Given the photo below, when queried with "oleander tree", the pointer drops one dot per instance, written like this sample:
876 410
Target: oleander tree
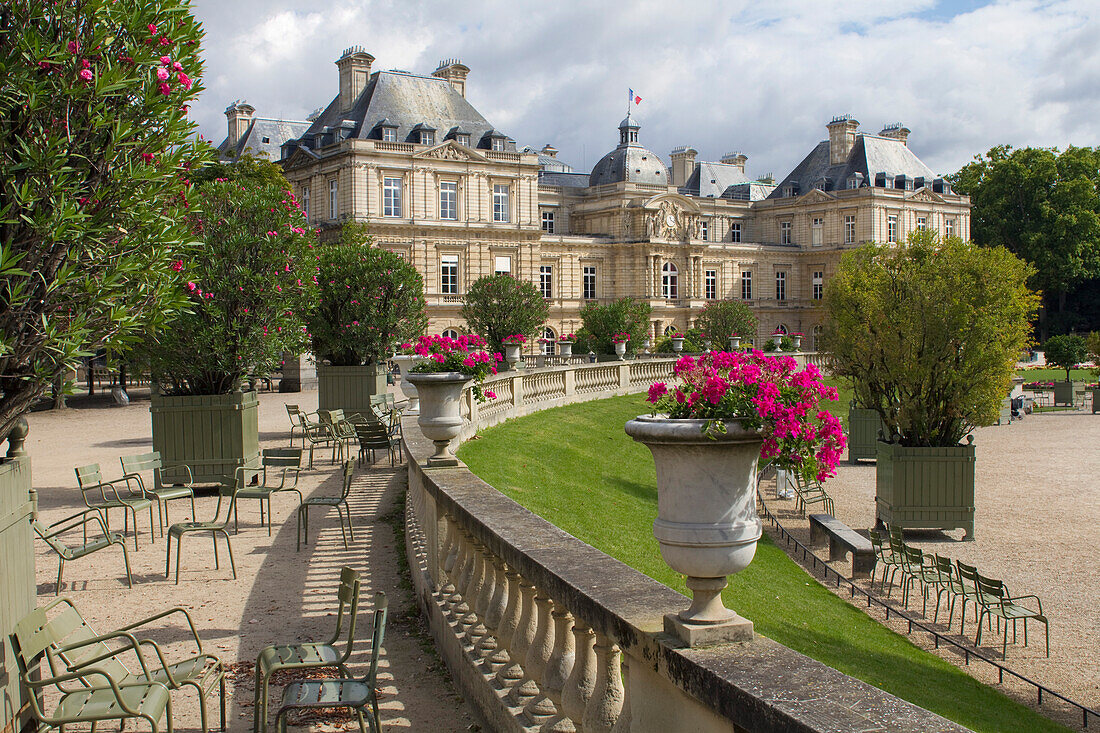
249 288
721 318
929 331
500 305
94 167
368 300
1066 351
602 321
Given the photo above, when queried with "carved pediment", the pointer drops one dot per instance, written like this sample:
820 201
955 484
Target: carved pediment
667 218
300 158
816 196
925 195
450 150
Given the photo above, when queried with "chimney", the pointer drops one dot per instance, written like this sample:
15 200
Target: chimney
896 131
454 71
239 114
842 136
683 164
736 158
354 67
549 151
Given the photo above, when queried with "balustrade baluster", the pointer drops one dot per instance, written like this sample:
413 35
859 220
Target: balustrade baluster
607 692
559 668
474 629
541 708
582 679
493 614
521 640
448 554
459 607
623 724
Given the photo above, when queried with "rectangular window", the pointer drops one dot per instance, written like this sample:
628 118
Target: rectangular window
448 274
784 232
948 226
391 197
850 229
588 282
922 223
546 280
500 203
462 139
892 228
548 222
305 202
502 265
704 231
427 138
817 232
746 285
389 134
497 143
710 284
735 231
448 200
819 285
332 210
780 285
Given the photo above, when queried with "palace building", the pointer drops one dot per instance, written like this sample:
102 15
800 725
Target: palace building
442 187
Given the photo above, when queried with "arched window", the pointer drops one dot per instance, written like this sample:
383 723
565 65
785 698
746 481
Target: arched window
816 334
549 342
782 328
669 281
450 333
670 329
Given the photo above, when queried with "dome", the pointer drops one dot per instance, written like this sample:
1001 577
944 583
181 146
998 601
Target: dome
630 161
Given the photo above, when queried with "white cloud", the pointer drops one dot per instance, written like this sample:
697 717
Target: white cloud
761 78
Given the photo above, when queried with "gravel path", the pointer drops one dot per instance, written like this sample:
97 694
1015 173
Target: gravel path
280 595
1037 495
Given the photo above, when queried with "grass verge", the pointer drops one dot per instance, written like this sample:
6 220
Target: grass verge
575 467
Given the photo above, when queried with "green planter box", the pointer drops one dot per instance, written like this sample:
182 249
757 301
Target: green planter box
925 488
1063 394
864 426
213 434
17 583
1095 400
349 388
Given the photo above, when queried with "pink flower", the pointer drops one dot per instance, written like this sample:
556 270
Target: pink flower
162 73
184 80
177 265
86 75
165 89
152 29
657 390
166 60
177 66
73 46
191 286
490 394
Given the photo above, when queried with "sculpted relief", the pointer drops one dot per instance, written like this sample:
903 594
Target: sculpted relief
669 221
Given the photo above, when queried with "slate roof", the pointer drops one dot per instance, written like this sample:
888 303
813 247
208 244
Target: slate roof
869 156
712 180
629 163
408 102
276 132
567 180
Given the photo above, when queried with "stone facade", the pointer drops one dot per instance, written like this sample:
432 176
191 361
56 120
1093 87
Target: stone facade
440 186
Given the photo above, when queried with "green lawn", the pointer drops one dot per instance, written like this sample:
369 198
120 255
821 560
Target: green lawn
575 467
1056 375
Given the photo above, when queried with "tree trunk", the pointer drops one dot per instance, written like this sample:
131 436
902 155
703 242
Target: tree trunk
58 390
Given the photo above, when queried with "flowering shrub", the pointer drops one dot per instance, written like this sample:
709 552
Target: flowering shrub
248 287
93 181
764 393
369 299
620 338
466 354
567 338
515 339
603 320
1038 385
498 305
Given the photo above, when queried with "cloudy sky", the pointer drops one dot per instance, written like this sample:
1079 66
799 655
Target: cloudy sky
760 77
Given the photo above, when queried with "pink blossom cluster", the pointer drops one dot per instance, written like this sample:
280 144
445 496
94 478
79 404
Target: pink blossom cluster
570 337
766 393
621 338
466 354
516 339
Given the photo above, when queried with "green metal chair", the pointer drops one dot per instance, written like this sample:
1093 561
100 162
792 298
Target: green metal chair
286 462
914 569
947 582
342 426
90 480
309 655
998 602
885 558
298 421
373 436
340 502
218 525
807 493
51 536
163 490
319 435
78 647
354 693
96 696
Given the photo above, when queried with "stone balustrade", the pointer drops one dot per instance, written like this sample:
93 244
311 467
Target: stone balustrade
544 632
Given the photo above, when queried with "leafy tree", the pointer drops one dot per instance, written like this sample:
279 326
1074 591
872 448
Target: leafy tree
721 318
369 299
601 322
693 342
929 332
1066 351
93 181
501 305
249 287
1045 207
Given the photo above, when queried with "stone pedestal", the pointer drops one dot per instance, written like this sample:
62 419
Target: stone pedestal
299 372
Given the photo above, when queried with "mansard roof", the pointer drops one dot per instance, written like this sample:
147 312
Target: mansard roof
264 138
408 102
712 180
869 156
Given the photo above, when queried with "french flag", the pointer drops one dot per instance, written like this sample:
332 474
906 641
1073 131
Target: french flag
634 98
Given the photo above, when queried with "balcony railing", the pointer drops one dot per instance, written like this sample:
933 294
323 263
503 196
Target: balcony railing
543 632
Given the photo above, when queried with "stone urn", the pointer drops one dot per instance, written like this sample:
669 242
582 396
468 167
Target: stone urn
777 339
735 343
405 362
511 355
440 418
677 344
565 348
707 524
646 343
706 345
620 349
797 339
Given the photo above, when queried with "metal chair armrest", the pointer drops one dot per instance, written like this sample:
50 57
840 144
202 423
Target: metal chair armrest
132 645
1014 599
163 614
181 467
82 518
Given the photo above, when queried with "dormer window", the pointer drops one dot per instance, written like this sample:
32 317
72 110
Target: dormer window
855 180
427 137
389 134
497 143
462 139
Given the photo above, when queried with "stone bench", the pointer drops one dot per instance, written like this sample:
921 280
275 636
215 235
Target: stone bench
842 540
